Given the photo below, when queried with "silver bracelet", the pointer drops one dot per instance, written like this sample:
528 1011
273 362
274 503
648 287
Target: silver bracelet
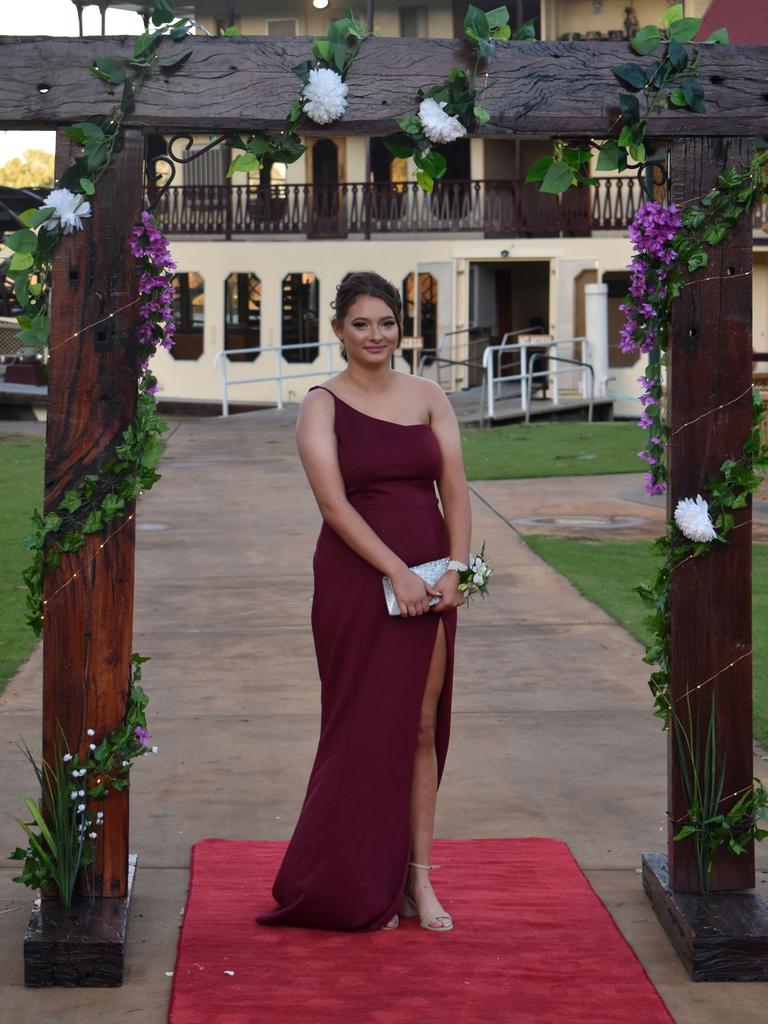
454 564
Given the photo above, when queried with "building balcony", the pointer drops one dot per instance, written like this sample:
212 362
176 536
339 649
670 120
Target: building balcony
491 209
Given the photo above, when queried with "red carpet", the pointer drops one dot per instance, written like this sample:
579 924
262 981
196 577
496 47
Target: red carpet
531 944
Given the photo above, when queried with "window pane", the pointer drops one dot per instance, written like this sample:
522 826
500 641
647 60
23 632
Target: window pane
242 315
424 324
189 314
300 317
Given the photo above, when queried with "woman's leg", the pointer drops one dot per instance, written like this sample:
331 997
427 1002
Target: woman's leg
424 787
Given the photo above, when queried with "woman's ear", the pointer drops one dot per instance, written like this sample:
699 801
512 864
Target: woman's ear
336 328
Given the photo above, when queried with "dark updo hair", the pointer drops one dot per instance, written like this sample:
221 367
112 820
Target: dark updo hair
367 282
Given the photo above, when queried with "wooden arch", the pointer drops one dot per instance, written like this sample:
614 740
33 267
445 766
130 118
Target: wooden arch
246 83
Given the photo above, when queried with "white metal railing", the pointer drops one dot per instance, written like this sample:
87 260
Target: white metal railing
493 380
446 343
279 376
587 369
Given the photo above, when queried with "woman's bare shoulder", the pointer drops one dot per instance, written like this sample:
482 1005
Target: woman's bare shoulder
316 409
424 393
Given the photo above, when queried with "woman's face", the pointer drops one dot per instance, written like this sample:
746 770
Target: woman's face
368 331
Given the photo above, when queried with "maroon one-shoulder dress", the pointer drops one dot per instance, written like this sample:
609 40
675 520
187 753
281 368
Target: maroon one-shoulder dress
346 864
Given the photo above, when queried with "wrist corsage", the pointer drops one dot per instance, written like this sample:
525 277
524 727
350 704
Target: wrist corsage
474 578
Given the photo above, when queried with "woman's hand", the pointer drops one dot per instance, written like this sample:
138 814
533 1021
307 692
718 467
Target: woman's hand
412 593
448 585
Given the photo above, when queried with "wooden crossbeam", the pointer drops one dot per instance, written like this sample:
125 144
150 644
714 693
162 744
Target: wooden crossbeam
539 88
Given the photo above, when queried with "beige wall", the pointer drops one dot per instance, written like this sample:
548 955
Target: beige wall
760 307
557 16
330 260
580 16
311 22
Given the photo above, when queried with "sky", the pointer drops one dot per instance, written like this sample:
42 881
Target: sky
53 18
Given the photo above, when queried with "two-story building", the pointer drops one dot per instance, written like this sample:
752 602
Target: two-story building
483 258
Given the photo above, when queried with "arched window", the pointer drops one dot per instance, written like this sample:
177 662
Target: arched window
301 317
189 315
420 319
242 315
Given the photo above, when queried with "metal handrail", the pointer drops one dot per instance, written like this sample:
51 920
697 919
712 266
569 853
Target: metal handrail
433 356
475 365
492 379
553 373
279 376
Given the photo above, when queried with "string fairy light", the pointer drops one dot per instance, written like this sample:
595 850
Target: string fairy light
689 557
89 560
709 679
715 277
95 323
709 412
720 801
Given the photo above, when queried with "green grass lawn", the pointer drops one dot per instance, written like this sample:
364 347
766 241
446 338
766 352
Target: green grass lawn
605 571
21 472
552 449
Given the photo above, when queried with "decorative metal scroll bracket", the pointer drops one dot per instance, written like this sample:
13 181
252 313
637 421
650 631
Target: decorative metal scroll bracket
169 161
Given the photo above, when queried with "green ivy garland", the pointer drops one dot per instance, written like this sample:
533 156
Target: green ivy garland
58 849
103 496
336 51
58 835
458 95
669 81
728 489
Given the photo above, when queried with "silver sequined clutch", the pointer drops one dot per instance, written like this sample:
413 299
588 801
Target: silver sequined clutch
430 572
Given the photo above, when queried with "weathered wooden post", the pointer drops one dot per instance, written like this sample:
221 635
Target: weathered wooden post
710 416
88 611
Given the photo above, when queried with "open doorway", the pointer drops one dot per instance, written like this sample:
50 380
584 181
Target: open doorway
507 298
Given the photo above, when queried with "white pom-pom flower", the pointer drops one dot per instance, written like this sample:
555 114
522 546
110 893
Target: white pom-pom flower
439 126
325 95
692 517
68 210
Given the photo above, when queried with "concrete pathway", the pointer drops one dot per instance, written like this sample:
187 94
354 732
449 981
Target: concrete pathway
552 728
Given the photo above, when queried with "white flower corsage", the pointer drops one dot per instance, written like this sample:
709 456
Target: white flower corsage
693 520
474 580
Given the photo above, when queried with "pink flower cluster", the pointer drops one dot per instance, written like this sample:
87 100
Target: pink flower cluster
646 315
156 325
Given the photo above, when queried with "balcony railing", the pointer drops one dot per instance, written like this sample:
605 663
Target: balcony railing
495 209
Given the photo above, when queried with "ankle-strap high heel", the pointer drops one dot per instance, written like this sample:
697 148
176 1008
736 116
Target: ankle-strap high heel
409 908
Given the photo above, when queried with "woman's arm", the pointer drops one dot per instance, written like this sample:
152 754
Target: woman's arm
318 450
452 482
454 496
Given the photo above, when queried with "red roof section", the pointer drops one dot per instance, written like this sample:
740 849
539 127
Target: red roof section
746 21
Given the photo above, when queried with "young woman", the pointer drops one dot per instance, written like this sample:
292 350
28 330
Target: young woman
373 443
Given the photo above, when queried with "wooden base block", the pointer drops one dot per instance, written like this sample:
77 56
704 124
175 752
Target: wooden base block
722 936
84 947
